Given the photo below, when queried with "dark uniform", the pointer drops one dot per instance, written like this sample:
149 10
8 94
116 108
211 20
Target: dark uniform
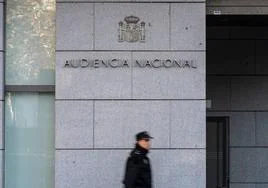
138 169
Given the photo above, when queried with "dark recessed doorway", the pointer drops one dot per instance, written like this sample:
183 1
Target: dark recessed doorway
217 152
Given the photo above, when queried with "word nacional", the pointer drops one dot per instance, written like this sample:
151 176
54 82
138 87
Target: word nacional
117 63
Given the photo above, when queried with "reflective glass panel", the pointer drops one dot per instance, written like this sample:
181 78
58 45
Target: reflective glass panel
30 42
29 140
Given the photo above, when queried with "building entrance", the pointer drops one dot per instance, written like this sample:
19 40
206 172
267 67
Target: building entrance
217 152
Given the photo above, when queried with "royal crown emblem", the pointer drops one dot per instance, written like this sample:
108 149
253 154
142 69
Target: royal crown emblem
131 30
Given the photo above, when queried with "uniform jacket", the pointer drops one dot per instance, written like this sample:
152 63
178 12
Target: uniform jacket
138 169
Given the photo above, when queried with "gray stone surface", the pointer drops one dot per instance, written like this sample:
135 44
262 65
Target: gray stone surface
89 168
67 162
261 128
179 168
116 123
1 125
168 1
262 158
249 93
172 168
155 16
169 83
74 124
1 167
92 83
188 124
237 3
2 76
98 1
243 165
74 26
263 185
261 57
248 163
1 26
242 129
230 57
218 90
242 185
188 26
109 83
237 10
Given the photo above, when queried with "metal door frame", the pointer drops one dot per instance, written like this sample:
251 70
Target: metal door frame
225 120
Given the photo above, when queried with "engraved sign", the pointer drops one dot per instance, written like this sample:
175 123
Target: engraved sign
126 63
131 30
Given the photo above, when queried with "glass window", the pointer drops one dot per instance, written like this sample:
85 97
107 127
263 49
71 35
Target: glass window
30 42
29 116
29 140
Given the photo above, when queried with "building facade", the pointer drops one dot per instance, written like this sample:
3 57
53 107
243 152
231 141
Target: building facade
82 77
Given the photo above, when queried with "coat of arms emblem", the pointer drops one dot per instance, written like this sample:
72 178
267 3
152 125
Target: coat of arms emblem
131 30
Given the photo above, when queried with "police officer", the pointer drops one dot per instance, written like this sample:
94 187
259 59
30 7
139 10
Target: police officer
138 170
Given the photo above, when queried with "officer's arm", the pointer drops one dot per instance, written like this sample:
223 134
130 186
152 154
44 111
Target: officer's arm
132 169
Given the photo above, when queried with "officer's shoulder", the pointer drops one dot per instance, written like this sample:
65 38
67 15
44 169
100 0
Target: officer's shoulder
136 152
135 155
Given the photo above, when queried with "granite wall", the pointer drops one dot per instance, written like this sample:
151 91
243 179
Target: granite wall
237 84
99 110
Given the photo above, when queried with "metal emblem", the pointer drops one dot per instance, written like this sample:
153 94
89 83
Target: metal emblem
131 30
